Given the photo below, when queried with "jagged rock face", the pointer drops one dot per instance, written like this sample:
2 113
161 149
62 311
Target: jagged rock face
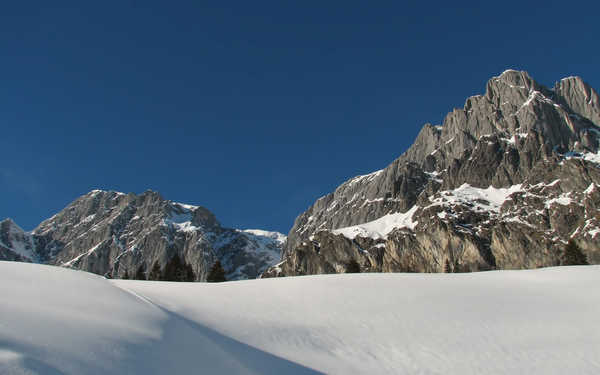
111 233
503 183
15 244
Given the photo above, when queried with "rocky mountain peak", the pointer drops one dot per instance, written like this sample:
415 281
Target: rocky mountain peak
8 222
574 93
9 226
112 234
510 82
204 218
514 104
15 243
519 136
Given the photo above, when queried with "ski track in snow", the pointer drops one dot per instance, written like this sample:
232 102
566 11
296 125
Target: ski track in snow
61 321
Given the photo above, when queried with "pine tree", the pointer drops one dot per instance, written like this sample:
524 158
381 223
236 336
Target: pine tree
216 274
573 256
178 270
172 269
447 268
140 274
456 268
155 273
189 273
353 267
125 276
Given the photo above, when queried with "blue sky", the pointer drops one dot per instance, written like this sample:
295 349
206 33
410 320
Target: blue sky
251 109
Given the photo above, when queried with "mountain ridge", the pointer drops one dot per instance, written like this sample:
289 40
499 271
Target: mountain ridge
504 182
115 234
517 132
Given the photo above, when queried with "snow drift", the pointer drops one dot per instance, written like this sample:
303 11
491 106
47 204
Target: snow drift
60 321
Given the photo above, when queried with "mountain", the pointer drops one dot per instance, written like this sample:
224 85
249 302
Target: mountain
111 234
502 184
15 243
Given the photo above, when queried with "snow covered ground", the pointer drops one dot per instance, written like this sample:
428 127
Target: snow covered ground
60 321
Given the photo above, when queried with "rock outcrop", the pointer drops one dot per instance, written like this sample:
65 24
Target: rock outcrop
502 184
111 234
15 243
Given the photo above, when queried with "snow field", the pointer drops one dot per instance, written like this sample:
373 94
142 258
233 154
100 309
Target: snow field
544 321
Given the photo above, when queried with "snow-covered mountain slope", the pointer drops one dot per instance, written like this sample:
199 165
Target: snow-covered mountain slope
504 183
249 252
116 234
61 321
15 243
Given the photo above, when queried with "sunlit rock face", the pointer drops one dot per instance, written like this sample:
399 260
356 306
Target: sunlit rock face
503 183
113 234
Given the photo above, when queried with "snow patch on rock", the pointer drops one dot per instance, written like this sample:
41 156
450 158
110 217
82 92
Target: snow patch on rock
488 199
380 228
17 240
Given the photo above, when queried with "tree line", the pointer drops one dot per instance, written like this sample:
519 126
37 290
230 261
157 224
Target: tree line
176 269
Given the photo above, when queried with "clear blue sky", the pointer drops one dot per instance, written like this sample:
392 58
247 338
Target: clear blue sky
252 109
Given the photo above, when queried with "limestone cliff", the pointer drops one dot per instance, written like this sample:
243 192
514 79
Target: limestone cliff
111 233
503 183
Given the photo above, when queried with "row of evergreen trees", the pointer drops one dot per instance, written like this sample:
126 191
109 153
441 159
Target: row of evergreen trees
176 270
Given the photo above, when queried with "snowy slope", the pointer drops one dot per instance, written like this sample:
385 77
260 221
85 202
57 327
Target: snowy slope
60 321
504 322
16 240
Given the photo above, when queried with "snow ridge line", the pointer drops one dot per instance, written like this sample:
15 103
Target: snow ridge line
139 296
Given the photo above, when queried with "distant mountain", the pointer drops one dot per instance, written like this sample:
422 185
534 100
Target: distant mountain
15 243
111 233
502 184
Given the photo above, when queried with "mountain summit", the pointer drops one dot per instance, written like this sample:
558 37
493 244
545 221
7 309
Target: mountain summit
114 234
503 183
